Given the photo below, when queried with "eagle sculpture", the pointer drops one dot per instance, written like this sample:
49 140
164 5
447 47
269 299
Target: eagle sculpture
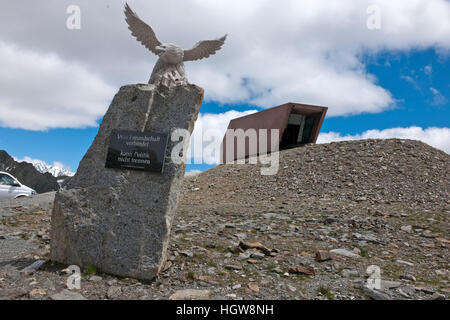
169 69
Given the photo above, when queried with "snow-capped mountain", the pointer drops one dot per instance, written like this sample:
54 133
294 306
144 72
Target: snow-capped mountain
57 169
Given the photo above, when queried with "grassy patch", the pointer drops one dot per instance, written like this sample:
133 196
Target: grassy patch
90 270
25 237
326 292
393 271
299 277
434 282
190 275
364 253
249 273
220 248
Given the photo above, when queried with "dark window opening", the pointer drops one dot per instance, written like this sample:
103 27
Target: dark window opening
298 131
307 130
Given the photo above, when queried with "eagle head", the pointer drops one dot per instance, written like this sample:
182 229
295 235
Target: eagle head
170 53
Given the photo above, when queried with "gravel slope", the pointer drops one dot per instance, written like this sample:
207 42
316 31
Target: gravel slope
44 201
378 202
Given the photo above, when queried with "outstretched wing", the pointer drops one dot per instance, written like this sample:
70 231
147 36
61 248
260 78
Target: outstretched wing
204 49
142 31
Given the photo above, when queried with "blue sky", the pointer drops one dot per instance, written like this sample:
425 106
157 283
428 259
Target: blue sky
386 81
415 106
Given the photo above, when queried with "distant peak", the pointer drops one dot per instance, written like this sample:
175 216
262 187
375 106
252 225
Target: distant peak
56 170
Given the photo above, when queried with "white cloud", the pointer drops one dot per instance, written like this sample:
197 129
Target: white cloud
207 136
438 98
411 81
300 51
40 92
428 69
435 137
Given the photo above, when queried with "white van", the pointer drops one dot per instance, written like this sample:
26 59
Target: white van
10 187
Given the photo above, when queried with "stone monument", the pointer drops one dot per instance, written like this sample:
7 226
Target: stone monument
116 212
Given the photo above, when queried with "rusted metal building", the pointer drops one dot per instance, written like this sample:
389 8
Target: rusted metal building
298 124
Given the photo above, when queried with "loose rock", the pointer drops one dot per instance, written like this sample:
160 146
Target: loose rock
322 255
255 245
376 295
191 294
345 253
114 292
67 295
301 270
